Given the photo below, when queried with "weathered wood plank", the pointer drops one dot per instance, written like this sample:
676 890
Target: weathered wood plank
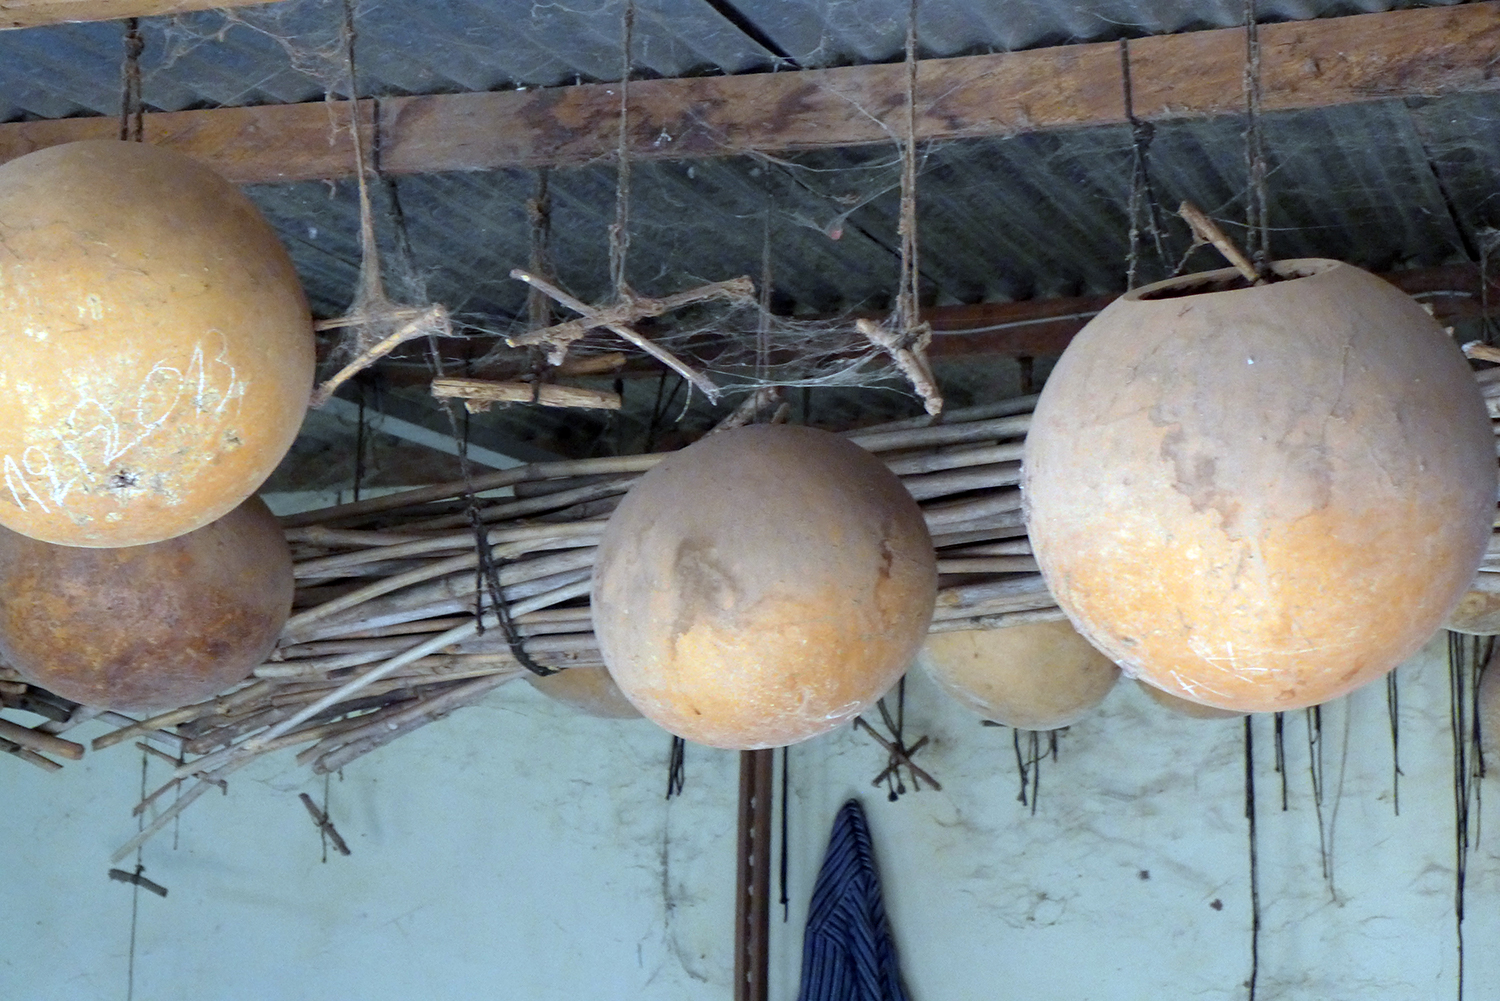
266 144
1305 64
35 13
1042 328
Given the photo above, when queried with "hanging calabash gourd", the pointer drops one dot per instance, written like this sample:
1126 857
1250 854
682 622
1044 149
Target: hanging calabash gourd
590 690
1260 498
762 586
156 350
147 627
1478 611
1182 707
1036 676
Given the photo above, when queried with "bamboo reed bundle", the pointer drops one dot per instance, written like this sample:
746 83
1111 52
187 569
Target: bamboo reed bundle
386 635
390 633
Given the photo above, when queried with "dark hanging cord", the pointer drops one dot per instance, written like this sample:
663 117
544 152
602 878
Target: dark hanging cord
1281 755
786 905
1036 770
1458 649
1143 200
132 111
1393 711
675 774
1029 764
359 445
1254 860
1256 213
619 231
1315 773
1015 739
490 591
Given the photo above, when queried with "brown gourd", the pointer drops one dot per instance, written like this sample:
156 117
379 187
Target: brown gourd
1037 676
147 627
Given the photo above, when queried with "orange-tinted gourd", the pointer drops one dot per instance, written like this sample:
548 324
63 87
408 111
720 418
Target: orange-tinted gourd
156 350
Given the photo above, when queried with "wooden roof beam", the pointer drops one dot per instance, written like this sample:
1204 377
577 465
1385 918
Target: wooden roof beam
36 13
1304 64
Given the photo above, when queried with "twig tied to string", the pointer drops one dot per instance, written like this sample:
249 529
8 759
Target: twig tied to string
1205 231
1143 200
900 753
375 325
904 336
619 317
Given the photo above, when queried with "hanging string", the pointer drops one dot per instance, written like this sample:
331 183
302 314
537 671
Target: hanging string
675 773
786 905
1254 860
907 311
1029 764
1256 211
359 443
132 111
1314 718
1281 755
1458 655
1143 200
1393 712
619 232
763 320
135 893
539 214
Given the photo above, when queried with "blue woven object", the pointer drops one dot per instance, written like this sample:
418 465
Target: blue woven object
847 952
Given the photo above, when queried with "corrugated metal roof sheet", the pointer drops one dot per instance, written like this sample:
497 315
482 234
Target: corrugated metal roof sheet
289 51
1381 184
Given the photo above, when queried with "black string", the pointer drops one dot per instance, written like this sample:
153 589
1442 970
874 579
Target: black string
1254 861
1281 755
786 906
675 774
132 111
359 445
1393 711
1029 764
1315 773
1457 651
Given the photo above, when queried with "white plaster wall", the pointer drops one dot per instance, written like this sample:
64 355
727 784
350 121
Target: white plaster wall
518 851
514 850
989 901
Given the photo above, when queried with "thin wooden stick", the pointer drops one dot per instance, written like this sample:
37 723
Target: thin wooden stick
434 318
31 757
40 742
662 355
478 484
479 394
1206 229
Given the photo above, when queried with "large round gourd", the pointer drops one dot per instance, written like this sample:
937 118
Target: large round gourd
589 690
147 627
1037 676
762 586
1260 498
156 350
1478 611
